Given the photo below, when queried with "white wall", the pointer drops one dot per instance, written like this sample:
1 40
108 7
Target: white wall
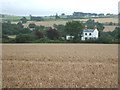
68 37
94 34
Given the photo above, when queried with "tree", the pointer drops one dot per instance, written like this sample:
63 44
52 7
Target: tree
105 37
20 24
32 25
91 25
111 23
116 33
52 34
63 14
40 28
74 28
25 38
5 38
24 20
90 22
14 29
39 34
25 31
60 29
56 16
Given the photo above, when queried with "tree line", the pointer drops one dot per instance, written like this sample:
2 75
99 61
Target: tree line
44 34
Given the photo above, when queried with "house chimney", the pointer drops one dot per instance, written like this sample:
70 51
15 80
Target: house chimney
95 27
85 26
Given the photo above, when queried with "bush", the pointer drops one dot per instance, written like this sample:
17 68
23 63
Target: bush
39 34
53 34
25 38
104 37
32 25
13 29
42 40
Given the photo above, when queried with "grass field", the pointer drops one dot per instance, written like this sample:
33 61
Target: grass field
60 65
14 18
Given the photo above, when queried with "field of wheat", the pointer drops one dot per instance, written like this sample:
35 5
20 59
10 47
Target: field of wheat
60 65
109 28
51 23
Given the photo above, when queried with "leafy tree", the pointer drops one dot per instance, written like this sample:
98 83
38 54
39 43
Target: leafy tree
60 29
110 23
52 34
10 29
39 34
105 37
20 24
9 22
24 20
90 22
63 14
56 16
74 28
116 33
25 31
25 38
40 28
32 25
91 25
100 27
14 29
5 36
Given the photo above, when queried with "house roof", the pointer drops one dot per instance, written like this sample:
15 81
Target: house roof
88 30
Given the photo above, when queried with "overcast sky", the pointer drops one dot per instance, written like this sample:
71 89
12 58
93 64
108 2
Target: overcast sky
51 7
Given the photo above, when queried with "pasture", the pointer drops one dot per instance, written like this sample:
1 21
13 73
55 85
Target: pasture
60 65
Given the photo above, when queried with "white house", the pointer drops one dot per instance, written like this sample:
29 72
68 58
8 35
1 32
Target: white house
69 37
87 34
90 34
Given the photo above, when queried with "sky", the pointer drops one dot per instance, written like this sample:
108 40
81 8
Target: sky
51 7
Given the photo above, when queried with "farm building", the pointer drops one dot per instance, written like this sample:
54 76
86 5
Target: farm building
87 34
69 37
90 34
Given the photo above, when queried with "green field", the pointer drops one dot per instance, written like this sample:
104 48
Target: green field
50 18
13 18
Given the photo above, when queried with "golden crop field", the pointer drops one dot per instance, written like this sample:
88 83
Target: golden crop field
60 65
109 28
51 23
101 20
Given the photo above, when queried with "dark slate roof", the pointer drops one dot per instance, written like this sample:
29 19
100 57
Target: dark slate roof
88 30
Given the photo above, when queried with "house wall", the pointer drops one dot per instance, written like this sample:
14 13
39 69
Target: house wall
68 37
88 36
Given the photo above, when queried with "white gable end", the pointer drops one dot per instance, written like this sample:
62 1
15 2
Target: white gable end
89 34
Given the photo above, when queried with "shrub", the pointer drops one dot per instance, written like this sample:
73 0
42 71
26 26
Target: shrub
42 40
25 38
32 25
53 34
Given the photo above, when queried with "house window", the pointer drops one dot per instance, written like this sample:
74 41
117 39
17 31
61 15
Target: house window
90 34
85 33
